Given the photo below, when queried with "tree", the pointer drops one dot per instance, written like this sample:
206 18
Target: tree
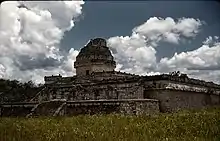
15 91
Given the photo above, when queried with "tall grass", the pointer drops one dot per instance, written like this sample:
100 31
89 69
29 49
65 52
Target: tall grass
201 125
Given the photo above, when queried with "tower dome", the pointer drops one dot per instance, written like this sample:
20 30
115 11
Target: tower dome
94 57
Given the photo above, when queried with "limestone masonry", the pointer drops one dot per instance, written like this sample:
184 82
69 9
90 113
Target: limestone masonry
98 88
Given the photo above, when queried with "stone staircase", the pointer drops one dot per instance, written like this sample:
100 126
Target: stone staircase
48 108
36 98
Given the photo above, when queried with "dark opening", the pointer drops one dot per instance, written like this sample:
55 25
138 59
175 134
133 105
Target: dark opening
163 110
87 72
96 94
147 95
207 99
117 94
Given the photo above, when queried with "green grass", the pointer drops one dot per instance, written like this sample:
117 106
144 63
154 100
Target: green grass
203 125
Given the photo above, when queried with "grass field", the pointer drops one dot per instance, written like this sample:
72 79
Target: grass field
203 125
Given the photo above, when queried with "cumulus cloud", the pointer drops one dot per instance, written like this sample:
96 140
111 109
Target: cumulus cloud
205 57
2 70
132 54
137 54
211 40
203 63
30 34
208 40
68 63
156 29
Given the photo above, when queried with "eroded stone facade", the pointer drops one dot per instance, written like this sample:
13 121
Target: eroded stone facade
94 57
98 88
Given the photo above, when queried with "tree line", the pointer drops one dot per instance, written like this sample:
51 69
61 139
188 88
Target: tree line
16 91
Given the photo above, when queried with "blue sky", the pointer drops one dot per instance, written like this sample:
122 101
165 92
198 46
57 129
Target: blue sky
146 37
118 18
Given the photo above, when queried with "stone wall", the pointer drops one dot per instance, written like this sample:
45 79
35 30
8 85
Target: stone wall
48 108
129 106
174 100
215 99
183 79
81 71
93 67
100 67
52 79
15 110
130 90
72 108
140 107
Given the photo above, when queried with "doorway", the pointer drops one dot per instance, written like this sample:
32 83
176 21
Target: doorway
87 72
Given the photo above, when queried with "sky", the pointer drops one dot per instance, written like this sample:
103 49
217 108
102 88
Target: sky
43 38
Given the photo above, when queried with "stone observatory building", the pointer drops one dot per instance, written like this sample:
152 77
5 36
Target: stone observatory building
94 57
98 88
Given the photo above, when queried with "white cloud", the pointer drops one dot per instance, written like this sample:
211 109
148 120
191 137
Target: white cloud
2 71
211 40
136 53
68 63
32 34
156 29
216 37
208 40
188 27
171 37
203 63
32 31
132 54
66 69
203 57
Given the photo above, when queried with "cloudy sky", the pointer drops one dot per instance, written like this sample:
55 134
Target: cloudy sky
146 37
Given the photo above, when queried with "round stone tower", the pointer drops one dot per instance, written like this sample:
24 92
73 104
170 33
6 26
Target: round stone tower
94 57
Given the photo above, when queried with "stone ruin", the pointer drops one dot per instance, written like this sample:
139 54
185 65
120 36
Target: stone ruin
98 89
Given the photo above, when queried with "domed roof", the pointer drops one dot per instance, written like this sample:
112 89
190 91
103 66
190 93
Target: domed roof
97 47
94 57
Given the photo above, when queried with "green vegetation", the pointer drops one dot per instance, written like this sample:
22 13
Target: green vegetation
203 125
15 91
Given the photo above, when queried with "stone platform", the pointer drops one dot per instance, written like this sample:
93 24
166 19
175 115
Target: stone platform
72 108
